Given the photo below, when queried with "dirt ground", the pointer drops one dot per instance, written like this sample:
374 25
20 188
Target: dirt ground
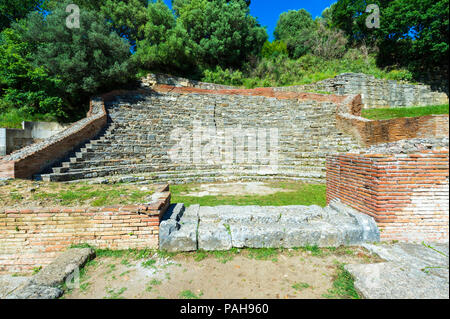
243 274
235 188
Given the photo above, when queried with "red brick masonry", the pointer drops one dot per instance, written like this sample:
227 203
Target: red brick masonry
407 194
32 237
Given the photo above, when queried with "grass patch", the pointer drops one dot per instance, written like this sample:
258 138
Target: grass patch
343 286
315 250
81 194
94 197
187 294
149 263
113 294
300 286
263 253
390 113
296 194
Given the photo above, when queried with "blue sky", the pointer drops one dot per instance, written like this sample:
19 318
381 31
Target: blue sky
268 11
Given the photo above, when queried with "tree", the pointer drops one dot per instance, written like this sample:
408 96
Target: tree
125 17
295 28
274 49
23 84
84 60
14 10
412 33
223 33
165 46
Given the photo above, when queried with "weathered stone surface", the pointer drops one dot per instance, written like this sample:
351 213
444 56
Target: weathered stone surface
36 292
10 283
376 92
213 236
223 227
58 270
176 235
411 271
46 284
396 281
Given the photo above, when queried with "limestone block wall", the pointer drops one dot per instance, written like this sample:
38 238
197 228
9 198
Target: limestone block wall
376 93
32 237
407 194
296 133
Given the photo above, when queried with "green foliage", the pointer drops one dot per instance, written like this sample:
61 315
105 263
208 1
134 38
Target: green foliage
165 46
384 114
222 33
13 118
295 28
14 10
274 49
126 17
227 76
282 71
343 286
23 84
83 61
412 33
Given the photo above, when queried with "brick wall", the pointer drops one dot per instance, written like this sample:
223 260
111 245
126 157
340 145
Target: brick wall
407 194
32 237
33 159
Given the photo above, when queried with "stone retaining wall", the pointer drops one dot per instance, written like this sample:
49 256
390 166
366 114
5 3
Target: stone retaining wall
376 93
407 194
31 237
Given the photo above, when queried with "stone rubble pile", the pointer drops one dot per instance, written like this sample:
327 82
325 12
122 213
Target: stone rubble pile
408 146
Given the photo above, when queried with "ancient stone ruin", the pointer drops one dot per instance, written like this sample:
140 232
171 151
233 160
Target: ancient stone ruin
176 130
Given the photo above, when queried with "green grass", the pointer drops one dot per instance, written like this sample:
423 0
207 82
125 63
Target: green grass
343 286
298 194
187 294
94 197
390 113
282 71
300 286
13 118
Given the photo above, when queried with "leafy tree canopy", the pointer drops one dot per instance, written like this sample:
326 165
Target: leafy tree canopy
295 28
84 60
14 10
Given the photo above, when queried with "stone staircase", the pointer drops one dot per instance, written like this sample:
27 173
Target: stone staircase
137 139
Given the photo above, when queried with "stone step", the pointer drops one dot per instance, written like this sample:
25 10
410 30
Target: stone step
166 172
225 227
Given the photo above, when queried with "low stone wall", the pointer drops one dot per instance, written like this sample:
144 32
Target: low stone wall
36 157
32 237
376 93
407 194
